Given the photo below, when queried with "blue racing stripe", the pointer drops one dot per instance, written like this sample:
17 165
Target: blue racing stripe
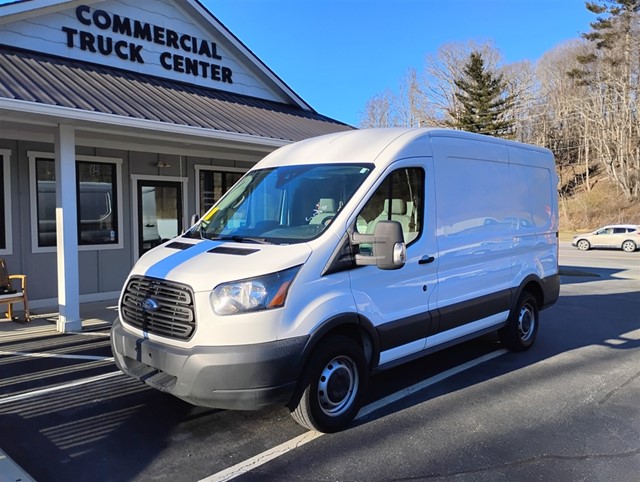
162 268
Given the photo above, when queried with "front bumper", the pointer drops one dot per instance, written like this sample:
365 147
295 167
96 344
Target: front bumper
241 377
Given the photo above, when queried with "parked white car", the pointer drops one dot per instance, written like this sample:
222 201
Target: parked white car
619 236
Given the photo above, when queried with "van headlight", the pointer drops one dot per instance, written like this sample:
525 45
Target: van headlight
253 294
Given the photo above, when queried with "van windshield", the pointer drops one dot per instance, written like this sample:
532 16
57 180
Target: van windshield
282 205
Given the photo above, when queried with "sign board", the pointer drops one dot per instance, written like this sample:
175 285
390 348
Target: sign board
152 37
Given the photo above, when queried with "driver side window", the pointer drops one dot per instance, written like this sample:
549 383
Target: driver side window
399 198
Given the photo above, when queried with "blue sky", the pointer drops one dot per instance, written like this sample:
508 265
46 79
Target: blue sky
337 54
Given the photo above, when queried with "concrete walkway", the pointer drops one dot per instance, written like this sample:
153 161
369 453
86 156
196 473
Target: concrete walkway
95 316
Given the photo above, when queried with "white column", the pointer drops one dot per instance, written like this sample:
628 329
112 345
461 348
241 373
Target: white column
67 231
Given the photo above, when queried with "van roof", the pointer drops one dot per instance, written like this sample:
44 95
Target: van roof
377 146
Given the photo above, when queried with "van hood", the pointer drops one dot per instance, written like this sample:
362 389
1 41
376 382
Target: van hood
204 264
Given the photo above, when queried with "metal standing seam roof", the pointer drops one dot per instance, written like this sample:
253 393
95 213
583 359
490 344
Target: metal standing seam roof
43 79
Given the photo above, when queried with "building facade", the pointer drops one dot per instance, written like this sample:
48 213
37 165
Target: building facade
120 121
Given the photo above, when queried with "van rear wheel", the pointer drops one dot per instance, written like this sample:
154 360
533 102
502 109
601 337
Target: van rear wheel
522 326
332 385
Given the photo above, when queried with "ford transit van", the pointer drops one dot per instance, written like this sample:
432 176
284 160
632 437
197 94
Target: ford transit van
339 256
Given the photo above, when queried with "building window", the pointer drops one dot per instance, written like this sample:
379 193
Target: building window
3 234
5 209
212 184
46 202
98 201
97 210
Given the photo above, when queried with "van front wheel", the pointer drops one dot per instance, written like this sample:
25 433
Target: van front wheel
332 385
522 327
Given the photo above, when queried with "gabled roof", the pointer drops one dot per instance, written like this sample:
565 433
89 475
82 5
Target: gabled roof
35 79
27 9
55 86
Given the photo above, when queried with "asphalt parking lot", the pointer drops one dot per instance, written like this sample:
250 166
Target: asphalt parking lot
565 410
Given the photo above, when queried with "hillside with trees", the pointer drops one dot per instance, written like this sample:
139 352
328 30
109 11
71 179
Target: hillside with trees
581 100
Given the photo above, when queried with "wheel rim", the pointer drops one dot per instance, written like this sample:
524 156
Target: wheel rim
583 245
526 322
338 385
628 246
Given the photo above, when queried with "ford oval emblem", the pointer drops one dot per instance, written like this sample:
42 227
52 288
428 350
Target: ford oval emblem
150 305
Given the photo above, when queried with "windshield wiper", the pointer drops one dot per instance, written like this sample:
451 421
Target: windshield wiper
241 239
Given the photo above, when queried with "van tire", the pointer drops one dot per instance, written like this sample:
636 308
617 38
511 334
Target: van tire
333 383
522 326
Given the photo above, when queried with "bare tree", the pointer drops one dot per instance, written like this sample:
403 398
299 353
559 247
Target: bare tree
379 111
558 118
610 74
410 103
522 87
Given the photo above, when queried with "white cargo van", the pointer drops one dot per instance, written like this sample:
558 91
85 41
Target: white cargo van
339 256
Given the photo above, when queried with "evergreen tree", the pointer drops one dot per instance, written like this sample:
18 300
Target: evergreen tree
606 30
612 36
482 98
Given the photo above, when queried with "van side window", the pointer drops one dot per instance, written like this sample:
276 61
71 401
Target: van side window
399 198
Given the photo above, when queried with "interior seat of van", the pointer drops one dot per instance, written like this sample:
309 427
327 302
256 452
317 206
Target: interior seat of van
398 213
326 209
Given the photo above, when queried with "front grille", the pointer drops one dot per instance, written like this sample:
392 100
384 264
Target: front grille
160 307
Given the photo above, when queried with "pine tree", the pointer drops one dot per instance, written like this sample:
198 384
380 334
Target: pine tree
483 100
611 36
621 13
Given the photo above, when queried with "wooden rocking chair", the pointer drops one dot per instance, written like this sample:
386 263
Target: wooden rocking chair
10 295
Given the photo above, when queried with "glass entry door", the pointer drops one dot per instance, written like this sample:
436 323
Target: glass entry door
159 212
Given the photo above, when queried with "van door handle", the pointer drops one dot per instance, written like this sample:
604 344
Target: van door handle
426 260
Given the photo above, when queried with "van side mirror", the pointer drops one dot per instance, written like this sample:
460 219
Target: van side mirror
387 241
194 219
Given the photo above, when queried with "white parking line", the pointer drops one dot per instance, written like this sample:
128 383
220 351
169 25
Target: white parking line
56 388
268 455
260 459
55 355
394 397
89 333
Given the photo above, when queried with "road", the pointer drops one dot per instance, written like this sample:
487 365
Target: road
565 410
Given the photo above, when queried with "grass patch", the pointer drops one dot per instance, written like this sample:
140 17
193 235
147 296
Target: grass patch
590 209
